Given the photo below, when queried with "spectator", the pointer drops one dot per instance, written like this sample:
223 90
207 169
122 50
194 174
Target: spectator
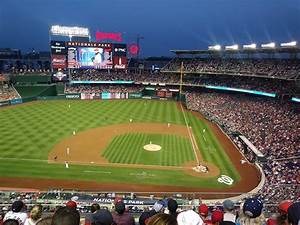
66 216
294 214
189 217
120 217
102 217
217 217
229 214
252 212
35 214
11 222
162 219
88 218
172 207
16 213
157 208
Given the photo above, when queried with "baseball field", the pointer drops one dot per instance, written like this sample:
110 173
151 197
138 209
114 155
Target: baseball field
120 145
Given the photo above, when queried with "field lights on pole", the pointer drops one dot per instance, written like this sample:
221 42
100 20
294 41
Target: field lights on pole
69 31
269 45
232 47
214 47
289 44
250 46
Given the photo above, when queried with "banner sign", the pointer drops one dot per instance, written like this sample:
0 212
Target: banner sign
135 95
73 96
16 101
4 103
108 36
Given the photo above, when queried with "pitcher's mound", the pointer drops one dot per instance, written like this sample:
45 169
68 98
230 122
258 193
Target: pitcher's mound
152 147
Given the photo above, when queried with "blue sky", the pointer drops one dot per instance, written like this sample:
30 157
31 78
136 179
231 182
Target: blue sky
165 24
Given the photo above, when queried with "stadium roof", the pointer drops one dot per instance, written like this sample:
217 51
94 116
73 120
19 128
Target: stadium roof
291 50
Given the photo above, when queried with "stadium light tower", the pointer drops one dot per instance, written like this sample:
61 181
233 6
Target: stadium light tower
289 44
138 39
214 47
232 47
269 45
250 46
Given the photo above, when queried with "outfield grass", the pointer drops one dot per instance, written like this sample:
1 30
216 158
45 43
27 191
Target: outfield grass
30 131
129 149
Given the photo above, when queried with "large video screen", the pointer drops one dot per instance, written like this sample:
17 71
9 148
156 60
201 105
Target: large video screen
90 58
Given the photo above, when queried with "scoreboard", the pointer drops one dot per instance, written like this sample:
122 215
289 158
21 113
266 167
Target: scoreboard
88 55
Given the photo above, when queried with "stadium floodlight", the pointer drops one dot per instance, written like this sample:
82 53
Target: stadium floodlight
250 46
214 47
69 31
289 44
232 47
269 45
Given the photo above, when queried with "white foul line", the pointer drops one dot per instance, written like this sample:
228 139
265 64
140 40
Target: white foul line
190 135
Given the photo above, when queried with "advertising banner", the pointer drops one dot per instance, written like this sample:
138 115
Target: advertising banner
73 96
135 95
59 61
4 103
16 101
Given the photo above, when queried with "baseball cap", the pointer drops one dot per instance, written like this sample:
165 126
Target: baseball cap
284 206
271 221
217 216
294 213
71 204
189 217
120 207
228 205
252 207
203 210
17 206
103 217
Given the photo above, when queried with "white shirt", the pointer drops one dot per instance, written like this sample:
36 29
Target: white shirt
19 216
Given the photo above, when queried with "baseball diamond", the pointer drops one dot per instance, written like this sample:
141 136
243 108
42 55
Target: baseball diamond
105 140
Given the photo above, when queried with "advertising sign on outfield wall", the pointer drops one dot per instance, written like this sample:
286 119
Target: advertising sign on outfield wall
16 101
135 95
73 96
4 103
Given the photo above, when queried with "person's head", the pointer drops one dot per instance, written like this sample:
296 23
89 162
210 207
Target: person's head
162 219
17 206
203 210
252 207
11 222
71 204
102 217
228 205
189 217
217 216
284 206
36 212
294 213
66 216
44 221
120 207
172 205
95 207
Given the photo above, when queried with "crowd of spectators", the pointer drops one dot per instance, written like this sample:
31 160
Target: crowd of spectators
163 212
278 68
272 127
250 83
99 75
7 92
